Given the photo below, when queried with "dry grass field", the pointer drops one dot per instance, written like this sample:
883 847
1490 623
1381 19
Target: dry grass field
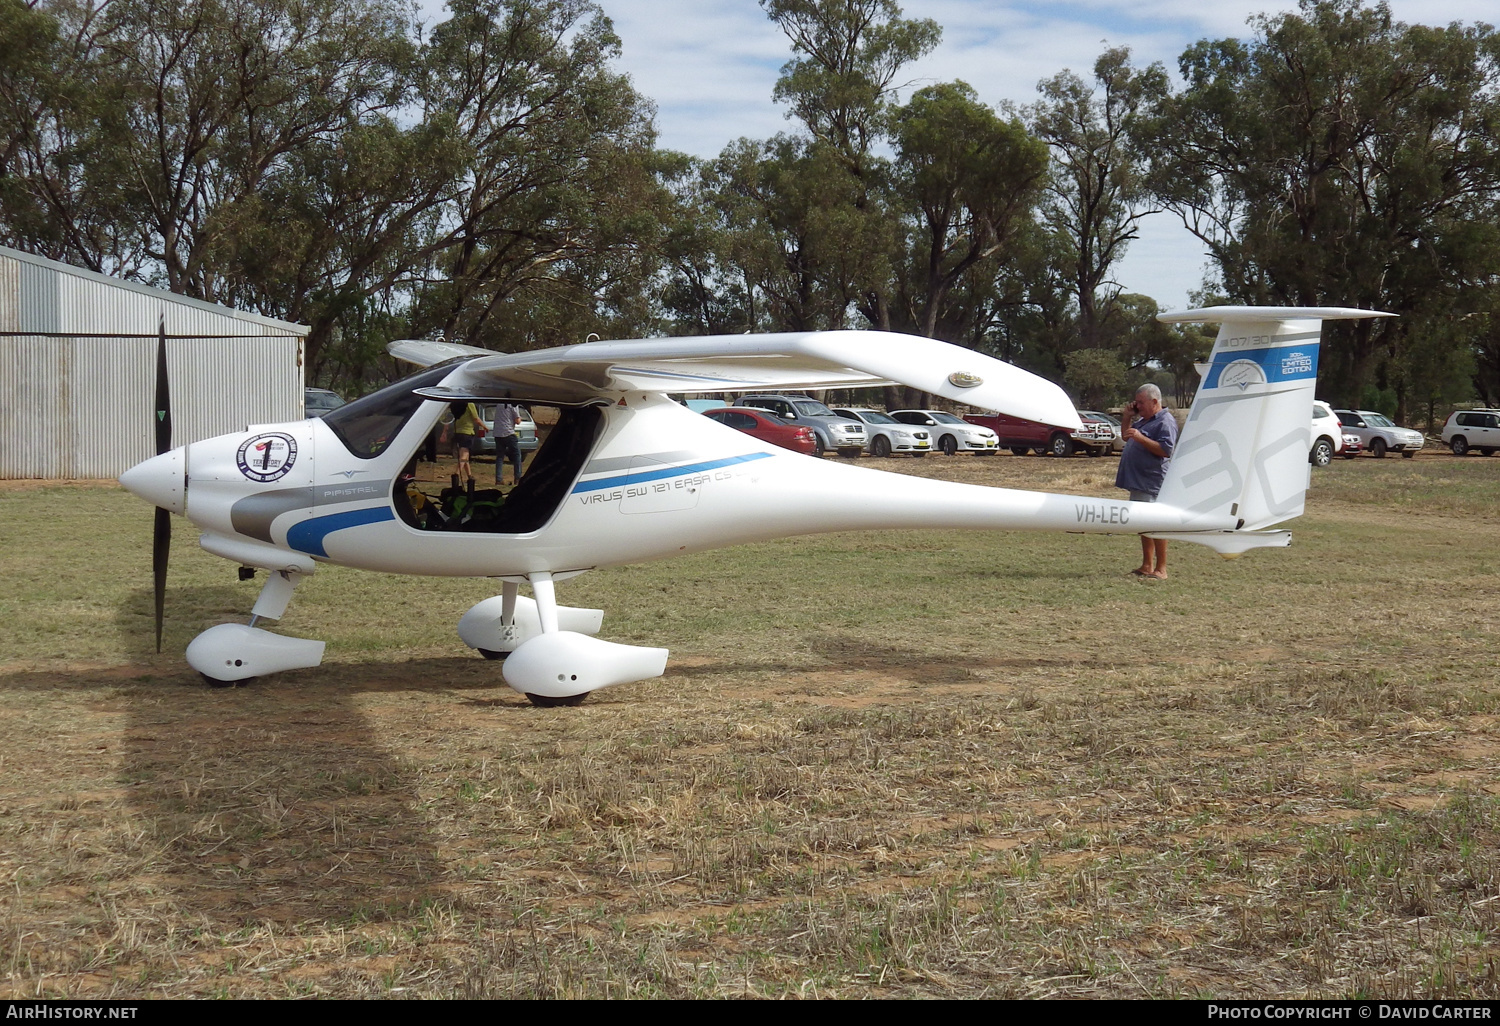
936 764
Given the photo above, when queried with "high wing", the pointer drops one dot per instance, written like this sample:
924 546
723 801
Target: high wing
425 353
574 375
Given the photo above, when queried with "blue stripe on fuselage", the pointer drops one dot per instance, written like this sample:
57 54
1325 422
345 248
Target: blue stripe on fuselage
636 476
308 535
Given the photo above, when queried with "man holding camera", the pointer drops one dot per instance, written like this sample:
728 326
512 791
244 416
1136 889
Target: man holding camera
1150 434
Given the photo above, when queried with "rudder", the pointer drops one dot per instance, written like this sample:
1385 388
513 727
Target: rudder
1243 451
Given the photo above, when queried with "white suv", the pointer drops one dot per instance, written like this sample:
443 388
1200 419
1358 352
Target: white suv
1327 435
1472 429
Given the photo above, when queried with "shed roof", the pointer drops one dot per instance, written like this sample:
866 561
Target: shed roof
53 268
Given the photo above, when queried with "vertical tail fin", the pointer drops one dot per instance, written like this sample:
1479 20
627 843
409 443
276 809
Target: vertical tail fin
1243 451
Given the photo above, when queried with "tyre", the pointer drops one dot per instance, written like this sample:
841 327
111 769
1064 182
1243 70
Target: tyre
1019 450
1408 454
851 452
1322 453
215 682
818 449
546 702
1096 452
1060 445
880 446
948 444
1377 448
1460 445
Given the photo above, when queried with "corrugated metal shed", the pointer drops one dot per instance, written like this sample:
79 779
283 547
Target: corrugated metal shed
78 369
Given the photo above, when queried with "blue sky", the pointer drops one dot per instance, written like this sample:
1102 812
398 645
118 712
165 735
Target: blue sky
710 66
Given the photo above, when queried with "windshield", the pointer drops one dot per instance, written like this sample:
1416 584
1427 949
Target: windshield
366 426
811 408
946 418
874 417
1376 420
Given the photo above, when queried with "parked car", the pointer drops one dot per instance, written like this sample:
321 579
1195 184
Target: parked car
1020 435
1352 447
525 431
830 431
767 427
1327 435
1468 430
319 402
952 434
887 435
1092 436
1377 434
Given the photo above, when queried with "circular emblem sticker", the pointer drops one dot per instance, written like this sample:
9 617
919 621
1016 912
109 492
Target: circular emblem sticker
267 457
963 379
1242 374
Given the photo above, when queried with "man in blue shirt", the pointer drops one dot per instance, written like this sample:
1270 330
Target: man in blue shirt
1150 434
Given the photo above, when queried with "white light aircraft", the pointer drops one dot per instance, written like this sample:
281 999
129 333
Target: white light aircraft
629 475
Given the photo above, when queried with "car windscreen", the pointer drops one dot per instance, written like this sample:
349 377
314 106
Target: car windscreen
1376 420
872 417
366 426
947 418
811 408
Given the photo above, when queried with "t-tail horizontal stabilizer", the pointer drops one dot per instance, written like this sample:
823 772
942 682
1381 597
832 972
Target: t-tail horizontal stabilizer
1243 451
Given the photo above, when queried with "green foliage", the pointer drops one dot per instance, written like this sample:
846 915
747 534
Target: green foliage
1341 158
1098 189
497 180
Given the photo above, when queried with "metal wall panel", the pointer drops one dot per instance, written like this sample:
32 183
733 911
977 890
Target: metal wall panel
38 295
82 407
74 406
10 294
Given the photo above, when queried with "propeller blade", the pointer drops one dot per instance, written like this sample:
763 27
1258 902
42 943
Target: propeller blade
161 535
163 394
161 541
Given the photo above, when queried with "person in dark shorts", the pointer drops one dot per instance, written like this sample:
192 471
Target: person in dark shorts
465 429
1150 434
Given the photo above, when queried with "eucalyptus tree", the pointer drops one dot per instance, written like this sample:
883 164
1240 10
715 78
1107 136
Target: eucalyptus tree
1342 158
1097 192
560 194
968 182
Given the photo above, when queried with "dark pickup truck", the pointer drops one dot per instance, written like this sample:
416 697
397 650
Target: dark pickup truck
1019 435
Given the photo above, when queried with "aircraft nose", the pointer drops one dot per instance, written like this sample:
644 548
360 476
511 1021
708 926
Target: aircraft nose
161 480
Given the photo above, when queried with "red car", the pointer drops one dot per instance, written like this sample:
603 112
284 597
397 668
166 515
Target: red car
767 427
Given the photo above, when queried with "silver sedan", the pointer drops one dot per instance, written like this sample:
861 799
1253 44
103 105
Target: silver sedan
888 436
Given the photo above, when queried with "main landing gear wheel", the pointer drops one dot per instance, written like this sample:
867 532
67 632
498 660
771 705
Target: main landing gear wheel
489 653
948 444
881 446
215 682
544 702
